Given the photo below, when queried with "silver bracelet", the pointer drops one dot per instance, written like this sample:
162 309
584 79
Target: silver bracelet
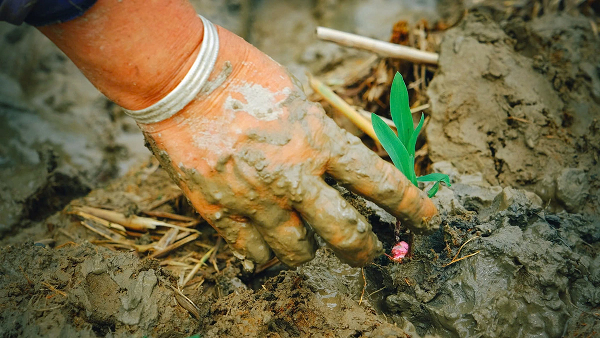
191 84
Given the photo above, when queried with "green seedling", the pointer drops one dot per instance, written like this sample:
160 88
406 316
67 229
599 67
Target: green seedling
401 148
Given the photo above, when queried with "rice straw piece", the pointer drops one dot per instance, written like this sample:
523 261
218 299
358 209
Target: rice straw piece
382 48
132 222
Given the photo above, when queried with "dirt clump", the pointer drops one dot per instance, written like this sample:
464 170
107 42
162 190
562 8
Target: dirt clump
524 109
528 266
289 305
86 291
530 273
89 291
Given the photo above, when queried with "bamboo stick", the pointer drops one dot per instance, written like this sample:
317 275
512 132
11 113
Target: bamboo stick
342 106
382 48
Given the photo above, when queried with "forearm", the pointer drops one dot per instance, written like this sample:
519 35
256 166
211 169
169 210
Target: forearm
133 51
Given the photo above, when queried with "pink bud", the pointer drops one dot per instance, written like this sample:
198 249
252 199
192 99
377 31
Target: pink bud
399 251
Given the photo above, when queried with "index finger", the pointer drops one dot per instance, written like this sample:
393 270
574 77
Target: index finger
364 172
345 230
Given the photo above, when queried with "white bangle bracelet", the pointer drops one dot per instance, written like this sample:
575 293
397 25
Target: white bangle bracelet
191 84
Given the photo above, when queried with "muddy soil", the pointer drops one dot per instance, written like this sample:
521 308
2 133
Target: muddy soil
89 291
524 109
516 255
70 287
532 272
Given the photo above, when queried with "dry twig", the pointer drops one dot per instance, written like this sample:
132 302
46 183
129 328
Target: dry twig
213 257
160 253
164 200
169 215
197 267
364 286
101 221
167 239
186 303
266 265
53 289
104 232
343 107
132 222
382 48
454 260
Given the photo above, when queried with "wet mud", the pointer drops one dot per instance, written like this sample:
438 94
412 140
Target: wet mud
533 271
524 110
516 253
86 291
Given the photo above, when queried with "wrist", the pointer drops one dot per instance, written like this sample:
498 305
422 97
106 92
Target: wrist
135 52
238 65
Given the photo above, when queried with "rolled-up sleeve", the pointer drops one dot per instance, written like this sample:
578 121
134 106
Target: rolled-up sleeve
42 12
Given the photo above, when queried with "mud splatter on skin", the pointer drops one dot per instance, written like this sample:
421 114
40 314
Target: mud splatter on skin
294 244
217 81
259 102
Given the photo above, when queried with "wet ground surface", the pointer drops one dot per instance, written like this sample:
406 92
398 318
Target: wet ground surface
515 128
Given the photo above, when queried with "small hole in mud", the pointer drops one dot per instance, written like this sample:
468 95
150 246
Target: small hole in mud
103 330
58 191
553 220
256 282
436 241
567 119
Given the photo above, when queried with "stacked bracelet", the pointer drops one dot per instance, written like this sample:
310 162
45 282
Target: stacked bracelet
191 84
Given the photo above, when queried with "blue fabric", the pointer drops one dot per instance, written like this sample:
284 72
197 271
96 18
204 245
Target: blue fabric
15 11
42 12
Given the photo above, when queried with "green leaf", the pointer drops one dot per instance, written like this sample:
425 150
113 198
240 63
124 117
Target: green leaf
400 109
435 177
391 144
434 189
413 175
412 143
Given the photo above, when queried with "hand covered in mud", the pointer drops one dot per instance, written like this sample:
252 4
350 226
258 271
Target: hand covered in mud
248 150
250 153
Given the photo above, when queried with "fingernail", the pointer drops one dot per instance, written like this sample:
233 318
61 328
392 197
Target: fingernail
248 265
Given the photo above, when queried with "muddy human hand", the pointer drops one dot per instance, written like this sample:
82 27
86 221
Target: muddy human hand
250 153
237 134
